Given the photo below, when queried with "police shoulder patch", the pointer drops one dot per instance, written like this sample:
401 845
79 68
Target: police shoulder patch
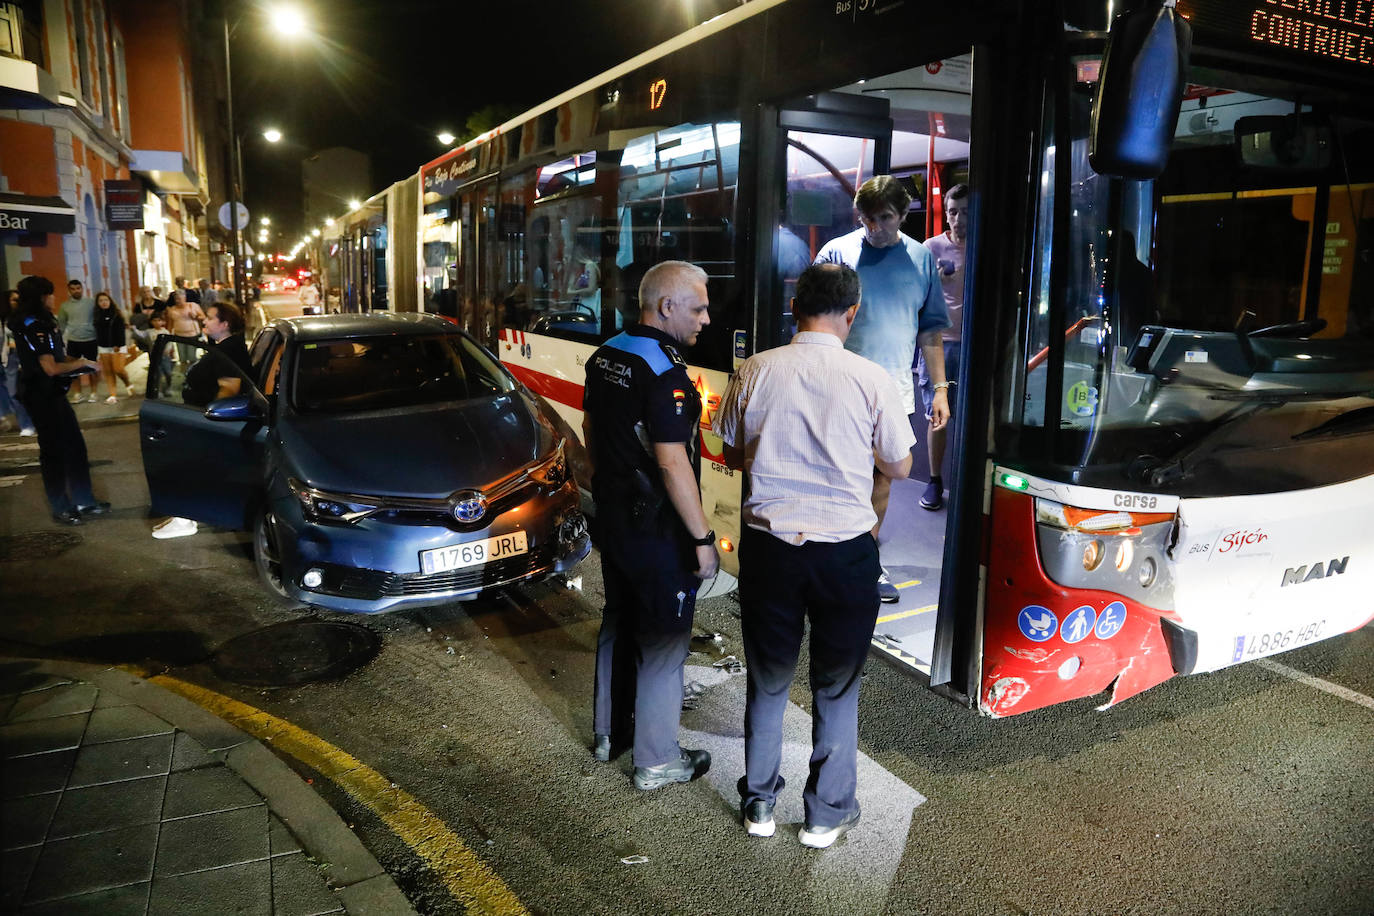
675 356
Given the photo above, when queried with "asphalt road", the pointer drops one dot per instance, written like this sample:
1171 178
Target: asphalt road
1244 791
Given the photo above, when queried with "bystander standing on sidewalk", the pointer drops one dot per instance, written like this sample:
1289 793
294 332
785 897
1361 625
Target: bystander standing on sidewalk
112 342
9 365
76 320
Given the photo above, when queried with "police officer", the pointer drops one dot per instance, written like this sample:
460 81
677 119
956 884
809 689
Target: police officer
641 416
44 375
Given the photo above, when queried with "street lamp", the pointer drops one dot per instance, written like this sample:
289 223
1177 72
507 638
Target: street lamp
287 21
354 204
446 138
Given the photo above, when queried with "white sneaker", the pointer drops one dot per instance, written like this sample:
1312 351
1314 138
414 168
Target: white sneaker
825 837
28 431
112 400
93 398
174 527
130 389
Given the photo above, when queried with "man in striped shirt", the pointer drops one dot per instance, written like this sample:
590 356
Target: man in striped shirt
810 422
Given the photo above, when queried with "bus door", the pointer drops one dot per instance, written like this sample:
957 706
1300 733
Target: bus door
913 124
479 280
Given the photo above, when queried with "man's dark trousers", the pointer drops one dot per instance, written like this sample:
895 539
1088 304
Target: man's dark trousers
780 586
650 604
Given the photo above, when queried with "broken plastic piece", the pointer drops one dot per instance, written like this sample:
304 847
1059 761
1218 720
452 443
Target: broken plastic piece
730 664
634 860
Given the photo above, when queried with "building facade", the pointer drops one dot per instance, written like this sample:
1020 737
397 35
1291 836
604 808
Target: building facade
106 169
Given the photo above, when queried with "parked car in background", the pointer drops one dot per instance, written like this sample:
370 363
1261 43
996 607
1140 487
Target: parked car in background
381 461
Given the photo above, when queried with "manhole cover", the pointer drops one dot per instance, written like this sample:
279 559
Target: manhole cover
37 545
300 652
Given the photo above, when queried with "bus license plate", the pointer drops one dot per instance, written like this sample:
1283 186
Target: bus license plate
473 553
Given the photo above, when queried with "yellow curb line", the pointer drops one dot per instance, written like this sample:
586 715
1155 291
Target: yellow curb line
912 613
471 882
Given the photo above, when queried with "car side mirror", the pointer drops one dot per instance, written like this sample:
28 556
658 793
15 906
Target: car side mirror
238 407
1286 142
1139 91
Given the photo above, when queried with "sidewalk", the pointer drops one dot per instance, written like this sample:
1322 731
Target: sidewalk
117 796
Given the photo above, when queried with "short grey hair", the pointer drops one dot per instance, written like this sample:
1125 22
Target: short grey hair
667 278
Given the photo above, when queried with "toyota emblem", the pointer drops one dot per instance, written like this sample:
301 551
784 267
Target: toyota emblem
470 507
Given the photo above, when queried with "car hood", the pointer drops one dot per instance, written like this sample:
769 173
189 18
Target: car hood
428 451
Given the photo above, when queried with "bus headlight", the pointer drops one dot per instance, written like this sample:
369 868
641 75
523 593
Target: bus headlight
1108 550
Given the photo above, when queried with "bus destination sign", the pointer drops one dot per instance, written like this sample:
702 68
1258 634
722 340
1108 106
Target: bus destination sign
1340 30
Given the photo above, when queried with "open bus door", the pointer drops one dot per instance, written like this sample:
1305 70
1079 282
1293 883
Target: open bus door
822 150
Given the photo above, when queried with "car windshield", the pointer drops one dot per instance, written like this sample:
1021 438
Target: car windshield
1212 331
396 370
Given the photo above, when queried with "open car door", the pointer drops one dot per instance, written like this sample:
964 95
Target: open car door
202 461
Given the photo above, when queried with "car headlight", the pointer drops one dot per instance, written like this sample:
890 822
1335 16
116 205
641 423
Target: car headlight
552 471
323 506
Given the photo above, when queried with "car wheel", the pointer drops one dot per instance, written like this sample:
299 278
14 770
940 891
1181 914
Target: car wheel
267 553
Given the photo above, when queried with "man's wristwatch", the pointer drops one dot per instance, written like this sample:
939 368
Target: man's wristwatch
706 540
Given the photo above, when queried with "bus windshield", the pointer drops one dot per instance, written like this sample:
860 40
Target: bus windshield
1216 325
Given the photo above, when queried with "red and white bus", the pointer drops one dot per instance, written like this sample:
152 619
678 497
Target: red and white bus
1162 458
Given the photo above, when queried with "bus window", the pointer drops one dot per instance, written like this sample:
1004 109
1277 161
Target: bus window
512 294
439 240
823 172
676 201
379 288
563 241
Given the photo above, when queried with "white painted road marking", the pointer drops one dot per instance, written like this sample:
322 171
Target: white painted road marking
1336 690
868 857
11 481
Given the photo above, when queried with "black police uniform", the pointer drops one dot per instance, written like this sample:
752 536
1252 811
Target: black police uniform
638 393
61 447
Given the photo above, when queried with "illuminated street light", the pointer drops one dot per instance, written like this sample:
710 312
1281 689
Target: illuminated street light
329 221
265 221
287 20
315 233
271 135
354 204
446 138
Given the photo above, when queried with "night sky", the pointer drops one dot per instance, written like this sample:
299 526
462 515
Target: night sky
386 76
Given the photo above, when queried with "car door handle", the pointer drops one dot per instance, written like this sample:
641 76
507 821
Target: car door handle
157 432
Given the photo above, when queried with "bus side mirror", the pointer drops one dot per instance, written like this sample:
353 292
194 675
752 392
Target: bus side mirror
1139 91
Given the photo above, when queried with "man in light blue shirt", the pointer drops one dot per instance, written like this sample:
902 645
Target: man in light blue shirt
904 306
76 319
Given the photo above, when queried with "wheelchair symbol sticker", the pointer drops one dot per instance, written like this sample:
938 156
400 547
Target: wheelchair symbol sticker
1037 623
1111 620
1078 625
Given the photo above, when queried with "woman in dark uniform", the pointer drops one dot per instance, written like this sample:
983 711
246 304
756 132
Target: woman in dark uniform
44 376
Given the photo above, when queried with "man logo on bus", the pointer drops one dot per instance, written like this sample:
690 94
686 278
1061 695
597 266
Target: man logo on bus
1318 571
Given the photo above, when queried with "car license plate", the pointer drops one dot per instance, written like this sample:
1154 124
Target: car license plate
473 553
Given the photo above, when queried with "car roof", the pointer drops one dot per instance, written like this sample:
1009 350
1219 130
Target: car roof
371 324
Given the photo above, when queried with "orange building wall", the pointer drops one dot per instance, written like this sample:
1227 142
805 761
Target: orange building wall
155 90
34 170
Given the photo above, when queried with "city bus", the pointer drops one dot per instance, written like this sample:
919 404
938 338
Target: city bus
1162 452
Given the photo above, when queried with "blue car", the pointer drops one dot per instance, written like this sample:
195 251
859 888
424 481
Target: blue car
381 461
